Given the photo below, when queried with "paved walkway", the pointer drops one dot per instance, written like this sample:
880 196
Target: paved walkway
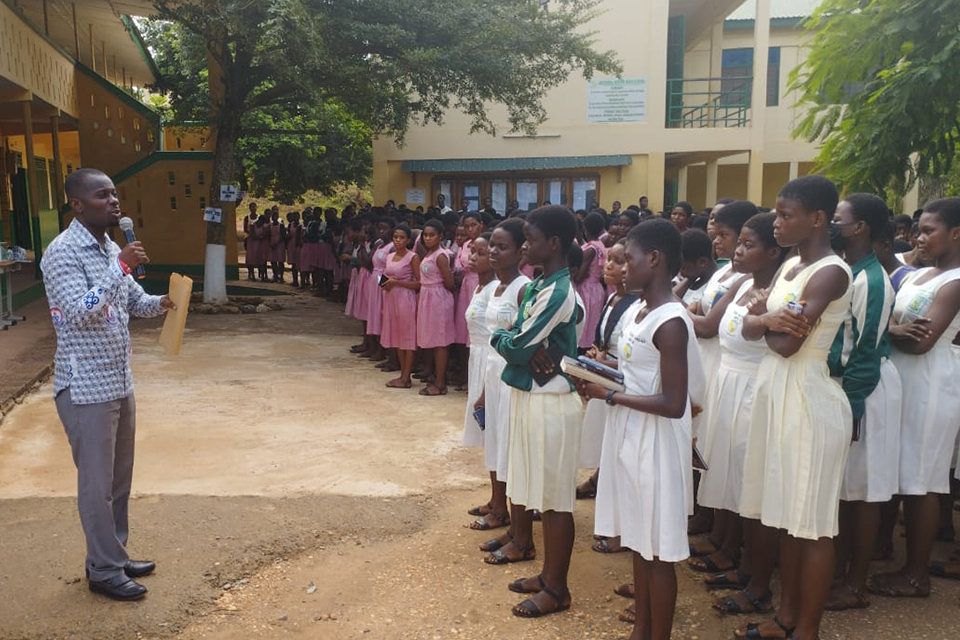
26 354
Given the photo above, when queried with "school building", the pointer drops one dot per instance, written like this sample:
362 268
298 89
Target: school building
68 69
702 111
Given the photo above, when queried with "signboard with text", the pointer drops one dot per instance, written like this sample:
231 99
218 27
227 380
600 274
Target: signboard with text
617 100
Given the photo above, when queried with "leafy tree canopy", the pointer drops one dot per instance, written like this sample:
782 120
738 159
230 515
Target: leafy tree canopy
882 83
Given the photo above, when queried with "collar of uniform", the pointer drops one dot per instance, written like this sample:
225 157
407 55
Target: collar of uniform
82 236
542 282
864 263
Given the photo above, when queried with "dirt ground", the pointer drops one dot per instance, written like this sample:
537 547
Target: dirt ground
284 492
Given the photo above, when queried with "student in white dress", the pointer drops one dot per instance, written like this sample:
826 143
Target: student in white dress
696 266
926 319
801 423
476 315
494 395
859 360
706 318
726 435
645 489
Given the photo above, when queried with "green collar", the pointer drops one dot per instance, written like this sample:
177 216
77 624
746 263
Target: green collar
869 259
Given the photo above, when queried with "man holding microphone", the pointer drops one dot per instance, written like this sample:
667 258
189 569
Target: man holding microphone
91 296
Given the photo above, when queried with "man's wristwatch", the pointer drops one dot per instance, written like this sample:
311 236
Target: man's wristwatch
610 397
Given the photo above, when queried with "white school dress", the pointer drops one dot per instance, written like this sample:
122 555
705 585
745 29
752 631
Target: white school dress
716 287
595 417
730 399
873 464
801 423
476 368
930 417
645 490
500 314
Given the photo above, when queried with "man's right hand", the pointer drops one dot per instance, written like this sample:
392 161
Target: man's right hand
133 255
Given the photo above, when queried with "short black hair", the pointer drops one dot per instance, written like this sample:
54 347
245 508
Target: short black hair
734 214
814 193
695 244
472 214
887 233
75 181
762 225
388 220
699 221
405 229
870 209
947 208
901 246
595 223
633 215
555 221
725 201
434 224
686 206
660 235
513 226
903 219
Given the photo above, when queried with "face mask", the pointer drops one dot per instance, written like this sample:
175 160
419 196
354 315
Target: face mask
837 242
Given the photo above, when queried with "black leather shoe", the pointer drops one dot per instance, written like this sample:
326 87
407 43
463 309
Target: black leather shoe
119 587
139 568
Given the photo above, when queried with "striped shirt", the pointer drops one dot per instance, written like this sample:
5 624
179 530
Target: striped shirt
547 316
862 340
91 300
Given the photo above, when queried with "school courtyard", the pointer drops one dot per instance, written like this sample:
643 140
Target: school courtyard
285 492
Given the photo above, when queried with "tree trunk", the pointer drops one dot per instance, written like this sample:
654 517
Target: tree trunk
215 267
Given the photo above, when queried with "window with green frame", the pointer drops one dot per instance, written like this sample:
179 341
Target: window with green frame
737 68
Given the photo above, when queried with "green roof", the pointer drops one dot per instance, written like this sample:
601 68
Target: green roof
476 165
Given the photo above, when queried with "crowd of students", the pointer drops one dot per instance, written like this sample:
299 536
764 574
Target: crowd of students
815 322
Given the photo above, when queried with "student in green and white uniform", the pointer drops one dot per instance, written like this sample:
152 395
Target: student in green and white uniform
544 419
860 357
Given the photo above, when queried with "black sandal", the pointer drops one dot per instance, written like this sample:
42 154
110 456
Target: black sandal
763 604
481 524
499 557
492 545
517 586
603 546
707 565
721 581
479 511
753 630
590 493
529 609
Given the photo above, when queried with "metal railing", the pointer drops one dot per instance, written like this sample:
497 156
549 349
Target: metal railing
694 103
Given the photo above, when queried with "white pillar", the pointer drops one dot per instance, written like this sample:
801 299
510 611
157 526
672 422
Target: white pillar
682 183
758 102
713 169
794 170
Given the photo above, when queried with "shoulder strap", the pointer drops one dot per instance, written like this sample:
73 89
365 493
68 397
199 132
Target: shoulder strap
613 318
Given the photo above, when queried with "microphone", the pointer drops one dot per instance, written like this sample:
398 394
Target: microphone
126 225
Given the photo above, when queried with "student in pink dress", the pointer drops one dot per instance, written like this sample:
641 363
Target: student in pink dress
277 245
294 240
380 253
323 269
435 306
467 280
399 329
588 278
260 247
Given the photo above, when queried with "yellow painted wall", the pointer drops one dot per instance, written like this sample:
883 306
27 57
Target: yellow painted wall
29 61
172 236
187 138
114 134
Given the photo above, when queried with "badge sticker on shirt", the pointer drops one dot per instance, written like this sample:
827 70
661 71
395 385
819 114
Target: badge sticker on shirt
733 327
627 350
425 268
90 299
56 314
110 315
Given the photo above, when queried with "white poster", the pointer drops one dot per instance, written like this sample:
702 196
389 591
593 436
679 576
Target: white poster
617 100
213 214
416 196
229 192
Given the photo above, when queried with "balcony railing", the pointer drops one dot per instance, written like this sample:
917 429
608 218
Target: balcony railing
695 103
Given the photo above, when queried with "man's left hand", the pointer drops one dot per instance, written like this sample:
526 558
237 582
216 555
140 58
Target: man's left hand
167 304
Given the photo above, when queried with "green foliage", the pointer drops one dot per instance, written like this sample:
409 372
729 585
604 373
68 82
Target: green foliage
903 124
180 56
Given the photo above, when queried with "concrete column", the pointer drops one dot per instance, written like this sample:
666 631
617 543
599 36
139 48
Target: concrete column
758 102
656 50
656 175
794 170
713 167
682 183
58 195
911 200
31 164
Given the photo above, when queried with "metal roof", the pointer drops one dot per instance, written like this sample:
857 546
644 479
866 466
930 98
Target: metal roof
110 24
474 165
778 9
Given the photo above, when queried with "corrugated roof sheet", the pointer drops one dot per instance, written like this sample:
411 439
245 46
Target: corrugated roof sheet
778 9
475 165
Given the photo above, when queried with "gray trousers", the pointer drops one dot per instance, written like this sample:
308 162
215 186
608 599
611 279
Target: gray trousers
102 439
